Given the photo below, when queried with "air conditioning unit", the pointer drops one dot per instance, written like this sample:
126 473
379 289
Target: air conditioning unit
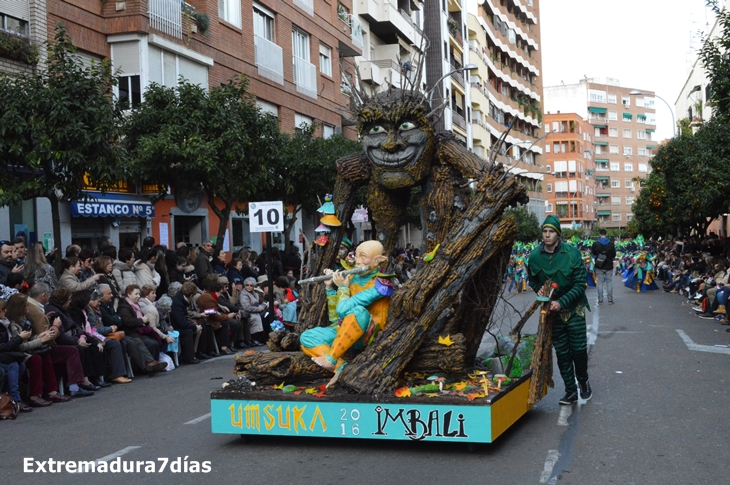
633 189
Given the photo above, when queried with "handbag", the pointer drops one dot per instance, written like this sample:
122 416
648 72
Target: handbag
118 335
42 350
9 409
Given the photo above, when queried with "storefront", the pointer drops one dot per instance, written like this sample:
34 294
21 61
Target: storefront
113 215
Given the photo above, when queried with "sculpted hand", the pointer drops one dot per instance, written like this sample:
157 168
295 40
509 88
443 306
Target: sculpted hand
340 280
328 283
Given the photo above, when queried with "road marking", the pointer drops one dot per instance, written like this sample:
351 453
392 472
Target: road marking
547 471
197 420
118 453
565 412
701 348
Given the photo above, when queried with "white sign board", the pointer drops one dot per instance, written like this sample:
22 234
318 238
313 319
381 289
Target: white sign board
266 216
360 215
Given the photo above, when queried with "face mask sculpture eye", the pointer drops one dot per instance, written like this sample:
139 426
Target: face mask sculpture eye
466 243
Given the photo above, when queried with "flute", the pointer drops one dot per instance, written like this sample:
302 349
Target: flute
317 279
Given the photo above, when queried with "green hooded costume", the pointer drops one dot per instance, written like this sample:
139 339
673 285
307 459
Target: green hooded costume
565 267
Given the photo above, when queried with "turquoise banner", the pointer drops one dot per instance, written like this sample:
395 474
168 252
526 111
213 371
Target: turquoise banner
416 422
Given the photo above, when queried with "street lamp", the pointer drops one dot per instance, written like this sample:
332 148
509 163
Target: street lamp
468 67
636 92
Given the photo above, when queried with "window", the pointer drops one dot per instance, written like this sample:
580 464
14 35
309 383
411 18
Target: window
267 107
549 208
549 187
642 167
642 150
628 167
616 217
263 23
305 74
130 91
612 116
548 169
641 135
629 200
629 216
12 24
628 183
611 99
547 148
615 200
595 96
615 184
325 59
328 131
556 147
300 44
627 150
613 132
613 149
600 150
626 101
627 133
230 11
614 166
300 120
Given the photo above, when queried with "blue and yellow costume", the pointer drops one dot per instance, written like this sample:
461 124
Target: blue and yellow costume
641 279
357 312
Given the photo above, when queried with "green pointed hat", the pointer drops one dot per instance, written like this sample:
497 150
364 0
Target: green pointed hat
553 223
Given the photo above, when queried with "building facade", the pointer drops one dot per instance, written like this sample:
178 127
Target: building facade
623 125
570 184
292 51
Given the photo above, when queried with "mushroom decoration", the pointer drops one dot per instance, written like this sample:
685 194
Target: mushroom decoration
441 380
500 378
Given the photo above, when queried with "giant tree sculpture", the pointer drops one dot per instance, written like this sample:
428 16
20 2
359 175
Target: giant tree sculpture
461 205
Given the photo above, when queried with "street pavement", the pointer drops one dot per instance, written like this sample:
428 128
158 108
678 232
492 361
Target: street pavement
658 416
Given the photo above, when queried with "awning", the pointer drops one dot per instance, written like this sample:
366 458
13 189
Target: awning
603 213
598 124
602 143
594 109
601 160
650 130
113 205
628 116
641 117
603 177
650 146
603 195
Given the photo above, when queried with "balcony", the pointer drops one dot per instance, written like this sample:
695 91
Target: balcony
354 27
305 77
389 23
458 120
306 5
269 59
166 16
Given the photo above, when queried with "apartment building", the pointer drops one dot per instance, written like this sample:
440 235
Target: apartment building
570 185
623 121
505 90
292 50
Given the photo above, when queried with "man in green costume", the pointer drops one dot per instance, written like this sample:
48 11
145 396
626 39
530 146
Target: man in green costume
563 264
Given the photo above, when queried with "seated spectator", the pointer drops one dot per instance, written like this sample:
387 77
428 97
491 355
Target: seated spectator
148 295
111 323
12 361
37 268
180 322
240 334
71 267
135 324
73 333
219 319
219 262
86 257
123 271
286 298
144 270
104 266
177 271
40 365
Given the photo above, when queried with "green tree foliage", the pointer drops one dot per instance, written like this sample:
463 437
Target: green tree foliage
714 56
59 128
528 227
304 172
217 141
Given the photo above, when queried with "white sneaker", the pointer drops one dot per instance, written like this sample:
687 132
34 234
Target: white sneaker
697 309
698 296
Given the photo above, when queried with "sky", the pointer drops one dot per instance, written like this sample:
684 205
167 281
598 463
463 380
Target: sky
645 44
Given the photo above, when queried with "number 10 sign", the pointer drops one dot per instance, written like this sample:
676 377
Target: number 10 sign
266 216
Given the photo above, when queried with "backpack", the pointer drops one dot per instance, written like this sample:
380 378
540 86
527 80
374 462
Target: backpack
601 258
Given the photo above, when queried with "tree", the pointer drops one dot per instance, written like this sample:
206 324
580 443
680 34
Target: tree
217 141
59 131
528 227
304 172
717 64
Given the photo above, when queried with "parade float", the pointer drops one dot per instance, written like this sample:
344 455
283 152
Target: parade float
410 372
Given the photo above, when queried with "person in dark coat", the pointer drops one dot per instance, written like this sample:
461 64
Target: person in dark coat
604 265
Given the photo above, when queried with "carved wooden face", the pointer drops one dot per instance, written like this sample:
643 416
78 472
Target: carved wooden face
399 151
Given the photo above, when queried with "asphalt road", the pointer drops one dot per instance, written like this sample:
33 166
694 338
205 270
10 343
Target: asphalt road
658 416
